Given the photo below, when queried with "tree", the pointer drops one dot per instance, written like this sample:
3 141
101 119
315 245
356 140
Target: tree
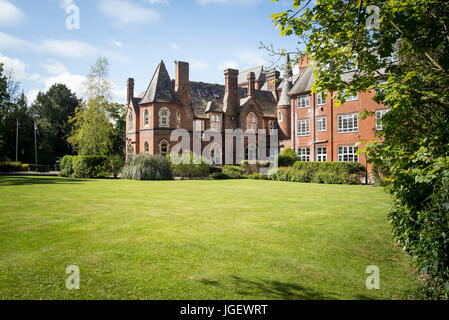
92 130
52 111
406 44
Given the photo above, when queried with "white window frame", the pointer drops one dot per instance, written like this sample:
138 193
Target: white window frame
321 124
320 100
164 141
162 117
303 101
304 154
347 153
303 124
215 121
352 123
199 125
378 115
321 154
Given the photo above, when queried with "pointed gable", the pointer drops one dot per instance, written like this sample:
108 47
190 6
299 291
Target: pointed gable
160 88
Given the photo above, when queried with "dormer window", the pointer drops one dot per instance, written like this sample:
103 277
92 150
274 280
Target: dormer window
164 118
199 125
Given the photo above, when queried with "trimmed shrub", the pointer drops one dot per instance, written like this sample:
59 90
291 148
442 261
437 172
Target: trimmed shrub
116 164
66 166
146 167
234 172
287 157
190 169
328 177
88 167
347 172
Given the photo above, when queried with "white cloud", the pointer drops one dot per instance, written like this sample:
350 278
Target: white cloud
18 68
228 64
64 48
158 2
32 95
10 15
174 46
125 12
54 67
68 48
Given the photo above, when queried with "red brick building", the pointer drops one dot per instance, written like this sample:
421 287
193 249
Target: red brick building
252 99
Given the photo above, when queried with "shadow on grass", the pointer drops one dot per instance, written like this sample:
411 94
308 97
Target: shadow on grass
274 290
33 180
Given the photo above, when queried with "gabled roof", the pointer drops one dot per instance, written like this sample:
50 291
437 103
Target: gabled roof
212 106
305 83
160 88
265 100
244 74
135 105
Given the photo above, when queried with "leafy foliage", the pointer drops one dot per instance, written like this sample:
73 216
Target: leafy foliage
116 164
66 166
189 168
410 51
287 157
88 167
146 167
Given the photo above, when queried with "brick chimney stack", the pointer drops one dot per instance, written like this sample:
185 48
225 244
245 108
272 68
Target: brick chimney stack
231 101
181 74
272 79
130 89
251 83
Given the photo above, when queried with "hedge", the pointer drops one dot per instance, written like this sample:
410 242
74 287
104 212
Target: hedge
66 166
191 169
322 172
8 166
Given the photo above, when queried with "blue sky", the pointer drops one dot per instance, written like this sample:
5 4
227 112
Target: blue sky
134 35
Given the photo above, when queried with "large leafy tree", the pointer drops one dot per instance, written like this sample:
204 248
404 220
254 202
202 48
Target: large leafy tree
52 110
92 130
414 155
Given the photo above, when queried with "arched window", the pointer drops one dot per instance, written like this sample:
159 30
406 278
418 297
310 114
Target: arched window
146 118
130 121
130 150
146 147
251 121
164 118
164 147
251 152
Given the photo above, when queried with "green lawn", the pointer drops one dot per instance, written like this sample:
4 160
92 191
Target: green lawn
245 239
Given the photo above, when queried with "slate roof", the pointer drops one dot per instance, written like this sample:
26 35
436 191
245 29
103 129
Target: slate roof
208 97
160 88
305 83
284 99
135 105
243 75
265 100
